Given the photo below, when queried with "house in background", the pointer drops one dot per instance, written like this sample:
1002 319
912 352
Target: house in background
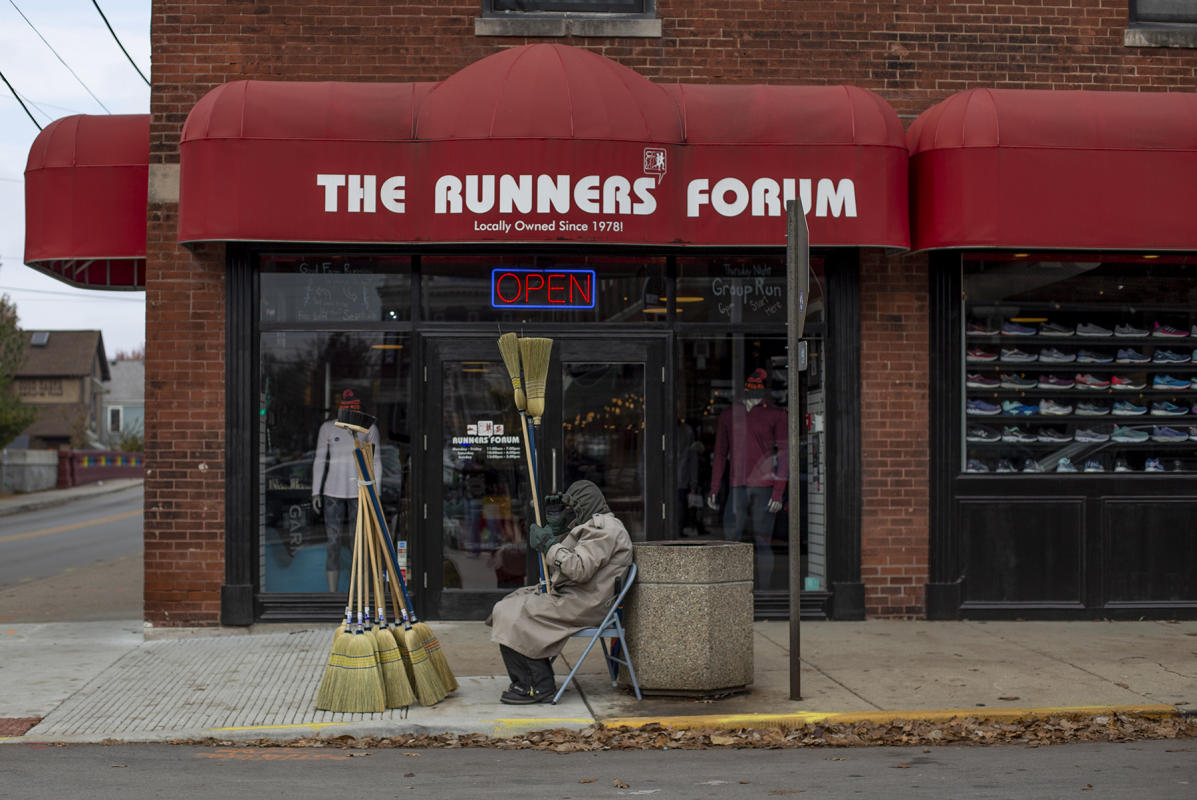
123 404
63 375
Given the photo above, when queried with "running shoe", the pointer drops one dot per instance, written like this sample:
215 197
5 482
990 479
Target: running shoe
1127 331
979 408
1055 329
1055 382
1153 465
1091 357
975 380
1004 465
979 433
1091 329
1127 384
1193 434
1013 381
976 465
1091 409
1016 356
1013 433
1168 382
1014 329
1193 330
1125 408
1168 357
1031 465
982 329
1168 435
1163 331
1131 356
976 354
1092 436
1054 435
1128 435
1050 355
1013 408
1093 465
1163 408
1052 408
1065 465
1122 465
1088 381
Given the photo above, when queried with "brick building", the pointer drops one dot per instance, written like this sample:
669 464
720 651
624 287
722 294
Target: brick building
263 307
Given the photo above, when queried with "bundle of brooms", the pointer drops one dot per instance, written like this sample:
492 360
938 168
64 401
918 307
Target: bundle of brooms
373 666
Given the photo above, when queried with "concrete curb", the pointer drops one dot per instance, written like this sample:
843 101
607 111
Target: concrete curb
38 500
739 721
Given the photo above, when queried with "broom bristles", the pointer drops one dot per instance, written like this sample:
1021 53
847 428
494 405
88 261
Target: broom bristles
394 676
535 353
433 646
356 685
333 672
509 348
425 681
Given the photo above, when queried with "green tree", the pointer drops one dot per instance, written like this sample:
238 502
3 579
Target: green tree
15 416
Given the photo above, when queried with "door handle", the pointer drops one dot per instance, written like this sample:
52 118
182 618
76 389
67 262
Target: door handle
554 472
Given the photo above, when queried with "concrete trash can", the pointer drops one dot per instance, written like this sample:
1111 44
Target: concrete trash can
689 617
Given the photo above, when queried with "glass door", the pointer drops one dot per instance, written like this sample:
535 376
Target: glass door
603 407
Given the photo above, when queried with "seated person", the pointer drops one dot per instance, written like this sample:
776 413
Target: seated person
585 558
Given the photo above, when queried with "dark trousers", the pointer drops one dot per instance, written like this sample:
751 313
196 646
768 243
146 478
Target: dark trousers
534 673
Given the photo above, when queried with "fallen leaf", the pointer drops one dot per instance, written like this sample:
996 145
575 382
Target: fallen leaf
1123 685
1088 787
120 765
720 739
618 784
835 758
587 780
409 774
901 766
412 755
1010 697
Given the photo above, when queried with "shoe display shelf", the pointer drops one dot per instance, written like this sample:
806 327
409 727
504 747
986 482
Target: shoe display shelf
1136 363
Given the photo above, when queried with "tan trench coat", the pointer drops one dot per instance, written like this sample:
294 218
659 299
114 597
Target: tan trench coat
584 566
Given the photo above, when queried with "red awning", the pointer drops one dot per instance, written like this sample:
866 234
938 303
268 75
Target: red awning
85 200
541 143
998 168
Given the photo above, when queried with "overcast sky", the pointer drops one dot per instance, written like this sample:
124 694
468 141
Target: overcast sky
76 31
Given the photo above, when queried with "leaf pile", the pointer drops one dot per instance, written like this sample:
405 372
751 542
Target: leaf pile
971 730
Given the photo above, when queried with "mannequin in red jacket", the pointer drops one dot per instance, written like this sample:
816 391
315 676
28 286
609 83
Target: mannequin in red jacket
752 445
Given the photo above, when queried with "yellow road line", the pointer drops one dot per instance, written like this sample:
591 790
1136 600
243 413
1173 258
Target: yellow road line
282 727
74 526
736 721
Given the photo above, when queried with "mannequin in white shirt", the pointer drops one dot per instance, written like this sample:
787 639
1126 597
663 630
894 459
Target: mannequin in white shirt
334 485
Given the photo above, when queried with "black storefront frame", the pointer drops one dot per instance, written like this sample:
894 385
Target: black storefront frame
242 602
1094 501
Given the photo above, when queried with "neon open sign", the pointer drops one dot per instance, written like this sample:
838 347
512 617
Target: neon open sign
541 288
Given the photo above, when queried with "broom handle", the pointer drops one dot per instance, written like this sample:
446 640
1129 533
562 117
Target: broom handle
396 599
356 570
364 471
372 548
529 445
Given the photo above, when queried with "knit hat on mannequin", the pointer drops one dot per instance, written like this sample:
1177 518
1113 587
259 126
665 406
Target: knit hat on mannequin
350 401
756 383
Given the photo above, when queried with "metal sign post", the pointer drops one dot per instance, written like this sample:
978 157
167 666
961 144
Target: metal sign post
798 281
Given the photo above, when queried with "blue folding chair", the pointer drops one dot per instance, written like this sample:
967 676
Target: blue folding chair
610 628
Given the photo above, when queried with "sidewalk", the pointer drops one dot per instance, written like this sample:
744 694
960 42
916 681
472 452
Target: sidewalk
16 503
121 681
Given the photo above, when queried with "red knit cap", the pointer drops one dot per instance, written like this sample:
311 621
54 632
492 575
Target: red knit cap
755 385
350 400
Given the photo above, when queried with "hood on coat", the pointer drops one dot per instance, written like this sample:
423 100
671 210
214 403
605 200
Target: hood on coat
586 499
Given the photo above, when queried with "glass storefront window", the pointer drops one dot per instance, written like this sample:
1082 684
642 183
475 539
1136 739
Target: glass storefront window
305 377
1082 365
627 289
714 289
335 288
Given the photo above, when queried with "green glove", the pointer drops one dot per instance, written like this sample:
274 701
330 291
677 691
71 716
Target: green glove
541 538
557 514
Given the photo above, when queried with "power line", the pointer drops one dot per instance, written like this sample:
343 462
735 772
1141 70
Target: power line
55 52
19 100
118 43
89 298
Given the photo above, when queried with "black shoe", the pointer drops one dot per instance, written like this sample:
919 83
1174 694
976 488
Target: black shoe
522 696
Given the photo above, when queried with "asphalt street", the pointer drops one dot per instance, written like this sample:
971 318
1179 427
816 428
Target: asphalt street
77 561
1162 770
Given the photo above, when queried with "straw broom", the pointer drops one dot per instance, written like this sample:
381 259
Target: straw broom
534 356
509 349
399 693
352 680
425 679
338 650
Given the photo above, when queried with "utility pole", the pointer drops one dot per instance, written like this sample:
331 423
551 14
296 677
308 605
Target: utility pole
798 283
